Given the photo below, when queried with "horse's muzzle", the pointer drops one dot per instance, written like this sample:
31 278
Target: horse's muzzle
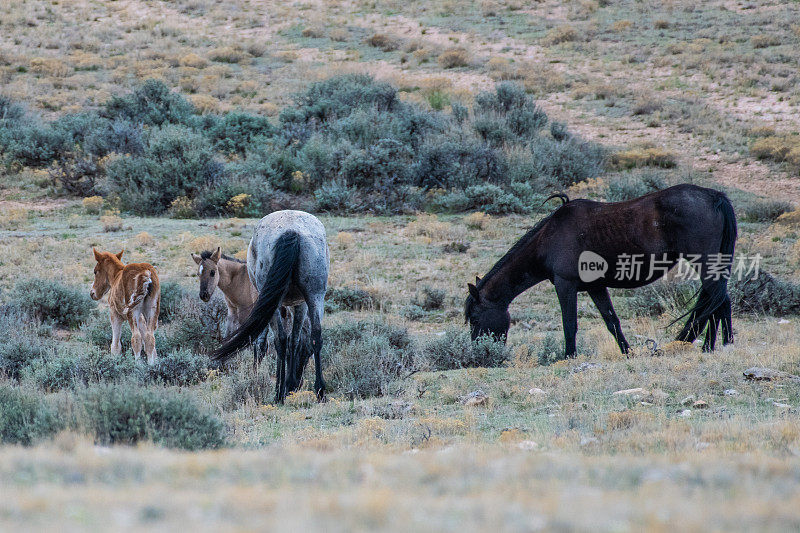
205 296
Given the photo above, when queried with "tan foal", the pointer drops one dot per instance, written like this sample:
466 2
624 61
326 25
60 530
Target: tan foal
134 293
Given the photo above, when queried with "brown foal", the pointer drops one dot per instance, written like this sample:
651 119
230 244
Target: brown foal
134 293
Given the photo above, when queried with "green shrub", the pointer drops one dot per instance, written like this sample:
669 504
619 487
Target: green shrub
234 132
516 110
243 385
151 104
11 112
566 162
172 295
198 328
765 210
51 301
20 343
341 95
413 312
76 174
550 351
349 139
34 145
488 198
629 187
455 349
764 295
179 367
336 197
125 413
70 367
559 131
117 136
349 299
446 164
362 358
177 162
98 333
25 417
431 299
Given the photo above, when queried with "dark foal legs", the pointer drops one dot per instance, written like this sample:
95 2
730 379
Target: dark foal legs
603 303
568 298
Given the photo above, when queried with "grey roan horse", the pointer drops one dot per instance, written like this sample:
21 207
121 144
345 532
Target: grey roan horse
287 262
660 228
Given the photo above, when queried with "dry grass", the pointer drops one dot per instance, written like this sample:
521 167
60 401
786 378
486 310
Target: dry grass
778 148
13 218
477 220
644 157
93 204
111 223
453 58
764 41
383 41
339 35
510 487
561 34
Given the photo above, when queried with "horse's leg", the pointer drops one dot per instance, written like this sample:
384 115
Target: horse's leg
701 313
603 303
280 350
116 331
710 341
316 308
148 339
568 298
294 379
727 321
136 336
256 358
231 324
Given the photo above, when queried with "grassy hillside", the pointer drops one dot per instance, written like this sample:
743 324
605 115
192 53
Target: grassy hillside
631 96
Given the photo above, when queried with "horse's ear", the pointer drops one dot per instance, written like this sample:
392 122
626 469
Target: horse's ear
197 258
216 255
473 291
97 255
119 255
477 280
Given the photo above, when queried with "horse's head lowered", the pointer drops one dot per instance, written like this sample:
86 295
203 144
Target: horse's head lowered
107 265
208 272
485 317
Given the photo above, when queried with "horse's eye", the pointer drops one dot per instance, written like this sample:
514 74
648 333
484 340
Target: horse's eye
212 274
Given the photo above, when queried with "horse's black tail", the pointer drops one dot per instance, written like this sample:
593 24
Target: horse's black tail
713 295
270 295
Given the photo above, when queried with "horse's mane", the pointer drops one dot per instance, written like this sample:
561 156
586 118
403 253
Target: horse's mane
521 243
206 254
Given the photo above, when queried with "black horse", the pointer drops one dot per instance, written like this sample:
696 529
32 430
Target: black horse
591 246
